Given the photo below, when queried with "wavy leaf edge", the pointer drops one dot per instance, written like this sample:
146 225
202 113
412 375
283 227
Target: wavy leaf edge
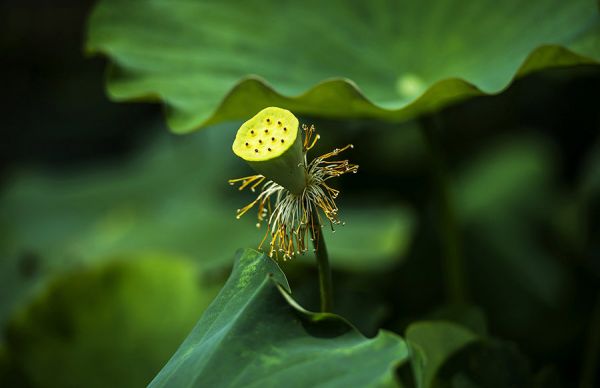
398 114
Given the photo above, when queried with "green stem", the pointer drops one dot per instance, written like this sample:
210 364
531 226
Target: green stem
325 285
592 349
449 233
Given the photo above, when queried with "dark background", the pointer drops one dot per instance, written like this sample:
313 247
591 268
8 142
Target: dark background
55 110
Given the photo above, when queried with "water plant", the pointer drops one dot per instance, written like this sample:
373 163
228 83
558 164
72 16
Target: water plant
274 146
469 254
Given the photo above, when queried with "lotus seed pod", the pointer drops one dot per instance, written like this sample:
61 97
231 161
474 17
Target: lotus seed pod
271 144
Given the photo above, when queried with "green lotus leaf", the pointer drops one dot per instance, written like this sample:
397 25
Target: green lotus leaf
254 334
213 61
431 344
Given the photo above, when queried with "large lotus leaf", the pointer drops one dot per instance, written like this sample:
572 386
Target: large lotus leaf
254 334
211 61
114 325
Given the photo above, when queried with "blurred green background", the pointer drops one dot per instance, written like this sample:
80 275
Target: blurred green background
115 234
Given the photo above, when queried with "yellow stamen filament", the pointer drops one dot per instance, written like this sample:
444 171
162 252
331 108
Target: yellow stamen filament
247 180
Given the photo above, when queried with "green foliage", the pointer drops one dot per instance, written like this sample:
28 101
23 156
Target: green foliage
444 354
215 61
375 238
503 193
255 334
104 269
431 344
504 184
113 325
144 207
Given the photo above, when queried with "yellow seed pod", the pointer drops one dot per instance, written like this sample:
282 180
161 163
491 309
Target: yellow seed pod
271 143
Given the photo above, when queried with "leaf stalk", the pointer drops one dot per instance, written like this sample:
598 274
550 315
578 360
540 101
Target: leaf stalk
453 260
